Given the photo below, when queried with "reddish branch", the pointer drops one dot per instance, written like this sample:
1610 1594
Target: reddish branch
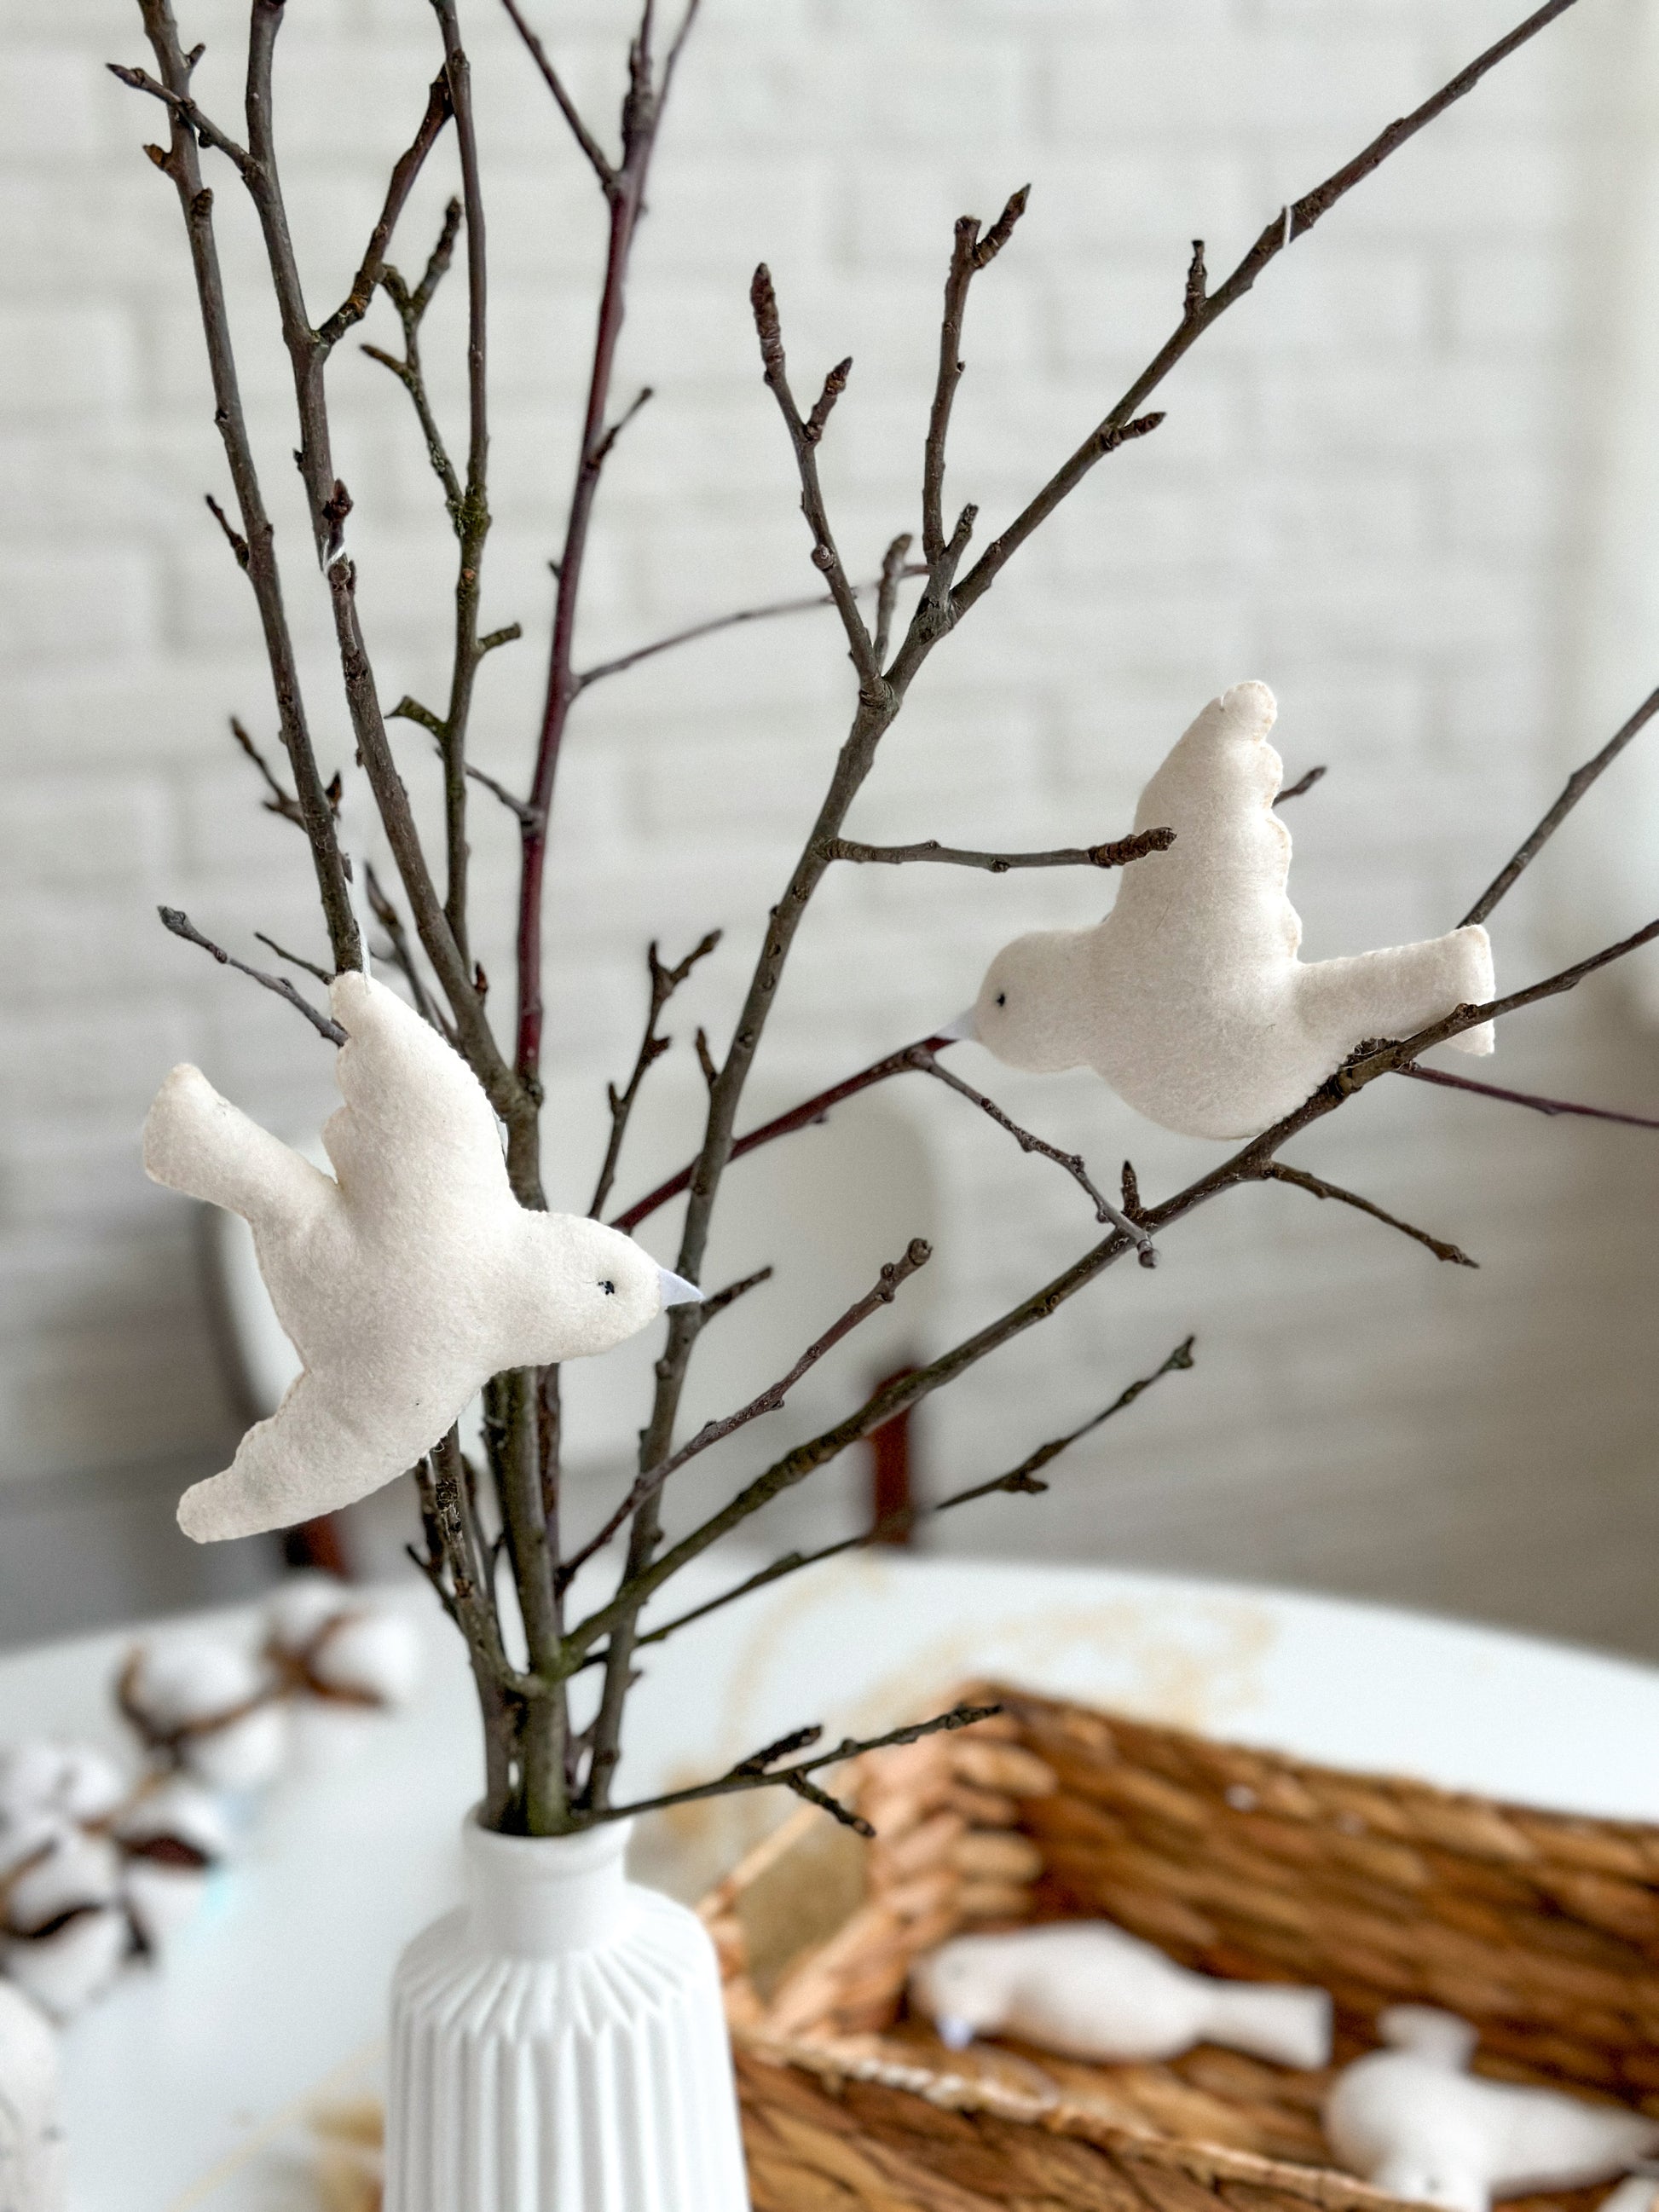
1527 1099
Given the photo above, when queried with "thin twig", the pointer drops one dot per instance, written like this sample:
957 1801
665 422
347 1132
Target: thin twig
1539 1105
746 1775
402 953
799 606
1276 1171
664 981
181 925
647 1485
1125 421
720 1300
764 302
969 254
1019 1480
358 300
815 1109
892 568
1577 784
293 959
1117 854
921 1058
602 166
1303 783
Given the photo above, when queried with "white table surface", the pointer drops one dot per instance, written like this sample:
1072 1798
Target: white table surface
187 2088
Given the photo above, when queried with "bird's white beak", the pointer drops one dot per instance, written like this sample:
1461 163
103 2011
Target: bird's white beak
964 1028
676 1292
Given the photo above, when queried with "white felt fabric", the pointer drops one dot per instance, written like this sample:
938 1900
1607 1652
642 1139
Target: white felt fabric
405 1279
1092 1990
1412 2119
1189 998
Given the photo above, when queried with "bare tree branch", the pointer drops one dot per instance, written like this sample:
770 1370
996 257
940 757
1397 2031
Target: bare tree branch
1276 1171
894 1275
664 981
804 437
816 1108
401 952
357 301
719 1301
590 145
1577 784
1200 309
1019 1480
921 1058
1303 783
1117 854
181 162
968 256
181 925
293 959
892 568
747 1774
799 606
1527 1097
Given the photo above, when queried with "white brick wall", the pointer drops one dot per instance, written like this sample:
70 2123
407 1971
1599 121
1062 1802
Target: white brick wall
1364 492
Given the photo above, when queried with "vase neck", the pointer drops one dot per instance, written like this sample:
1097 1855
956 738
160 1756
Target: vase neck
539 1896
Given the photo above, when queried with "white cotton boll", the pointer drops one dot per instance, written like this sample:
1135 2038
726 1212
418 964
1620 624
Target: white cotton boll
247 1754
1413 2121
178 1679
27 1836
302 1607
179 1683
373 1655
65 1971
75 1779
34 2173
76 1870
179 1811
404 1280
161 1900
1092 1990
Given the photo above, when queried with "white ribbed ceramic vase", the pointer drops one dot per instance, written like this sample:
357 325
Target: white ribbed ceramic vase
558 2045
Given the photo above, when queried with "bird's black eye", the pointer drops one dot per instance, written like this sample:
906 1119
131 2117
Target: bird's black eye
609 1289
1002 998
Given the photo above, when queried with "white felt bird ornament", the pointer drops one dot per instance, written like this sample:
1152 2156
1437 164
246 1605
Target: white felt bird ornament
405 1279
1189 998
1092 1990
1414 2121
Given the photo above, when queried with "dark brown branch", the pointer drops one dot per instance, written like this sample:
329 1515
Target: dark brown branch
921 1058
402 953
1125 421
471 517
892 568
746 1775
1019 1480
181 925
969 254
816 1108
1246 1165
664 981
358 300
1303 783
293 959
526 815
718 1302
1577 784
1117 854
731 622
234 537
1527 1097
762 299
894 1275
181 163
602 167
1276 1171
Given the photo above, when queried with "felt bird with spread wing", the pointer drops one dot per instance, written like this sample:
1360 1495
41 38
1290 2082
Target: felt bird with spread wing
1189 997
405 1279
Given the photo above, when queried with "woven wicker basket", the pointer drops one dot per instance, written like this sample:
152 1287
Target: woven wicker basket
1543 1929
